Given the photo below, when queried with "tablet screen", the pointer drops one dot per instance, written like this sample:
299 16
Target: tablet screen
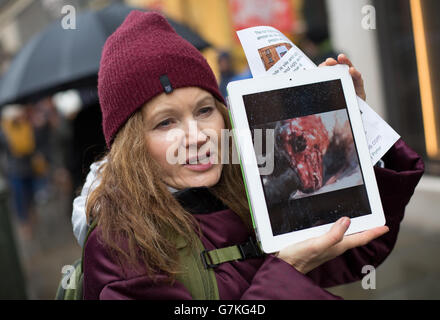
316 176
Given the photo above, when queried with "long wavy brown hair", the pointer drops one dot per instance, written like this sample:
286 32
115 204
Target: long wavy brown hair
137 214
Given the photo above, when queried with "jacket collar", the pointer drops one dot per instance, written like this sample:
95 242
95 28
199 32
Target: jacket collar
199 200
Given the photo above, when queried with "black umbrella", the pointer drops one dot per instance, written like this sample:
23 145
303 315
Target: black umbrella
57 59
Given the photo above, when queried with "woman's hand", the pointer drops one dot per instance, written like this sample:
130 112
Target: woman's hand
307 255
356 75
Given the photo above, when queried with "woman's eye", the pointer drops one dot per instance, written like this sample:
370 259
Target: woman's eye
205 110
164 124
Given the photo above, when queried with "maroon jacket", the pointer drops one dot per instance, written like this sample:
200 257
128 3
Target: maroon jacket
268 277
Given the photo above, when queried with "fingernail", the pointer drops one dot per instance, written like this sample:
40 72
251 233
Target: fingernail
343 221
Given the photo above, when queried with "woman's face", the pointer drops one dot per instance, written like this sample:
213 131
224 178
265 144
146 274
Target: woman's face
182 131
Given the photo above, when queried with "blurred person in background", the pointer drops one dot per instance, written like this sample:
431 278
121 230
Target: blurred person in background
17 138
226 69
84 142
315 42
44 120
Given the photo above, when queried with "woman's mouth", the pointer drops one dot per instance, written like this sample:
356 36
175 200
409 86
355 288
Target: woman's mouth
199 163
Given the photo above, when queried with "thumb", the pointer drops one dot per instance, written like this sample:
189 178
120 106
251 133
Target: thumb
335 234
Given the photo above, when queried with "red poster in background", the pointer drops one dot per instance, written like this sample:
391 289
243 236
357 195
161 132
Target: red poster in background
250 13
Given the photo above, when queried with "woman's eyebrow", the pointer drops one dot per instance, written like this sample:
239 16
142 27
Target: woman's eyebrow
165 108
162 110
205 100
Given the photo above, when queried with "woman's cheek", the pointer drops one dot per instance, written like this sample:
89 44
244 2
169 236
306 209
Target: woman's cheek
161 149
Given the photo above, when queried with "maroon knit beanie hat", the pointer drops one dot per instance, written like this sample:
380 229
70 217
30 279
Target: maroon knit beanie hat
141 59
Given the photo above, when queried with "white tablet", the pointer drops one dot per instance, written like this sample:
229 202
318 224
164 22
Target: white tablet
304 155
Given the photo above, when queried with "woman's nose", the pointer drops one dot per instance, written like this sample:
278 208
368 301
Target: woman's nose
194 137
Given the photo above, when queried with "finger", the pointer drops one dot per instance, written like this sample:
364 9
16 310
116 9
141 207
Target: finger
362 238
331 62
357 78
333 236
355 73
328 63
342 59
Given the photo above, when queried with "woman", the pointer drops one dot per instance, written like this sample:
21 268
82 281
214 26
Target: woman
152 83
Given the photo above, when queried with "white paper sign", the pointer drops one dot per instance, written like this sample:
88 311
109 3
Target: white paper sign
258 41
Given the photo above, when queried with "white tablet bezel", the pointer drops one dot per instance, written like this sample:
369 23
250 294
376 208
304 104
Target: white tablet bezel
242 134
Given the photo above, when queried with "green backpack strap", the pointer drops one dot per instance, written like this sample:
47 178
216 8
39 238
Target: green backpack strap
247 250
75 293
70 293
198 275
198 280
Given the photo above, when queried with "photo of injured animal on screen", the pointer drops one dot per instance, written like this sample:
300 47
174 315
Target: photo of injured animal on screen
316 177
